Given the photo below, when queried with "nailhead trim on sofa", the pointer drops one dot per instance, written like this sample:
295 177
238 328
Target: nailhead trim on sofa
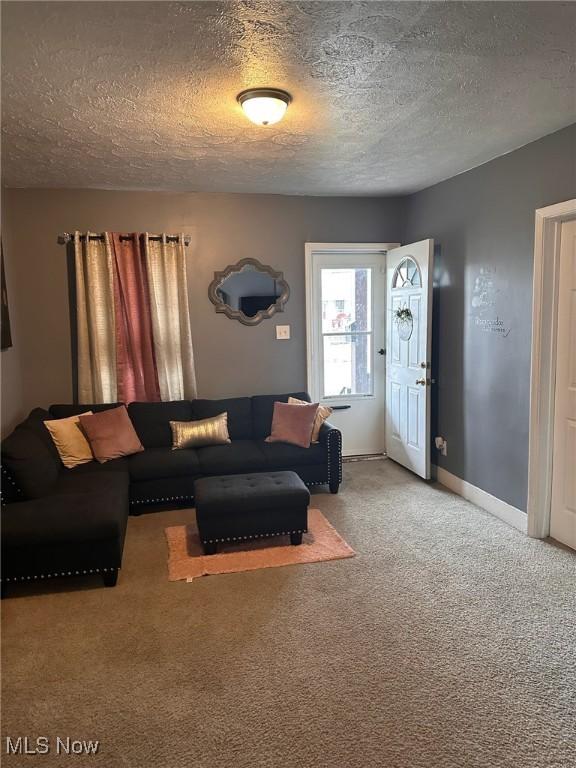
338 435
134 502
7 477
60 573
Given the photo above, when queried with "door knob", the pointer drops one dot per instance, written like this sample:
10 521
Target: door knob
381 351
423 382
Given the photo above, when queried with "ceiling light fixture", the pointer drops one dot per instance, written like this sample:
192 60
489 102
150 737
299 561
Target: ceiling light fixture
264 106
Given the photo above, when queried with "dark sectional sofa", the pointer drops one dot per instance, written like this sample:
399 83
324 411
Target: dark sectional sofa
58 521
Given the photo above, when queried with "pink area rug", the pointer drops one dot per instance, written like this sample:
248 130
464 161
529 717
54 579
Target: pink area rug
187 561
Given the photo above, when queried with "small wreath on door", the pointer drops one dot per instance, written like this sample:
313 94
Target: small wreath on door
404 322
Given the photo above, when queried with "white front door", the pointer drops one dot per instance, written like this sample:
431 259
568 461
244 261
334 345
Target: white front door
563 509
346 291
408 334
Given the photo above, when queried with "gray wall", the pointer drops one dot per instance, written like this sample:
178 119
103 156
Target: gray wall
232 359
483 220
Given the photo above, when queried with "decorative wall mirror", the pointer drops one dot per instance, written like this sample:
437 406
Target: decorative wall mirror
249 291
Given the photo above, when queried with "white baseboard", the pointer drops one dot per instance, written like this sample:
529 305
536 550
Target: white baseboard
500 509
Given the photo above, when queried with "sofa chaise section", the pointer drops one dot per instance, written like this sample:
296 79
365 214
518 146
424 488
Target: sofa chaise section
58 522
67 533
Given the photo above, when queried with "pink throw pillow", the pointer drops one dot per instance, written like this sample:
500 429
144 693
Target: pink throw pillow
293 424
111 434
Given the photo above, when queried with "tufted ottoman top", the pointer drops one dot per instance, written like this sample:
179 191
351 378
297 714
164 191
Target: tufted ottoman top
258 490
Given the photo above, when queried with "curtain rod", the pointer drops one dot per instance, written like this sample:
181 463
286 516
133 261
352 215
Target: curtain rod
66 237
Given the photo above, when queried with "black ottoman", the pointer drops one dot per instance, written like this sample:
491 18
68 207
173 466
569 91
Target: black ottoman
243 507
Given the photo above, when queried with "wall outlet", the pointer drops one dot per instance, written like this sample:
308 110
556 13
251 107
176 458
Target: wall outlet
442 445
282 331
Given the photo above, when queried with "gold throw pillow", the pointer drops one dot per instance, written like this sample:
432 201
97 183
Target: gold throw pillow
195 434
70 440
321 415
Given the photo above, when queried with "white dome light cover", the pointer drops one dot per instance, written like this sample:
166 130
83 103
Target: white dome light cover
264 106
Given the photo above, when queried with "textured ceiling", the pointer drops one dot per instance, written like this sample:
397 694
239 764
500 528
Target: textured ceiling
388 97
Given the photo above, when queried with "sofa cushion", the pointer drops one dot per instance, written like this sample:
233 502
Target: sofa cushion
156 463
263 409
237 456
73 518
30 462
285 456
239 410
74 409
91 483
114 465
152 421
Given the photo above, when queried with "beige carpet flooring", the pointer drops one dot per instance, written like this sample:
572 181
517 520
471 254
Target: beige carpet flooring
449 641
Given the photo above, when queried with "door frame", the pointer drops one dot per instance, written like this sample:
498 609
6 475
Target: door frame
548 227
330 248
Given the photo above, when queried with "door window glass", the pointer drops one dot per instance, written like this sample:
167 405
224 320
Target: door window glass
347 331
407 275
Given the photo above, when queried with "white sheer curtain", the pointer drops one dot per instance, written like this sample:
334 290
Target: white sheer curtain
95 319
166 263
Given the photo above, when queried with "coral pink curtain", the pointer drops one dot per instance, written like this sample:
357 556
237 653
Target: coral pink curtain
136 371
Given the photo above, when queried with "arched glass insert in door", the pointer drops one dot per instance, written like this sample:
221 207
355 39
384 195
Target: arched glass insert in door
407 275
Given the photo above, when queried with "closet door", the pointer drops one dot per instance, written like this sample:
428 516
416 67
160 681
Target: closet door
563 509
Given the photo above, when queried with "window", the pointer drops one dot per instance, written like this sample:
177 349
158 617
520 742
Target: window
346 331
407 275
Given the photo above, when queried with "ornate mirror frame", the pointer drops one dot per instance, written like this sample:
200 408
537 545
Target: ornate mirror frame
237 314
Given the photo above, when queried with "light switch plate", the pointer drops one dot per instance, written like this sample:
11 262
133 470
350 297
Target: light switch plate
282 331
